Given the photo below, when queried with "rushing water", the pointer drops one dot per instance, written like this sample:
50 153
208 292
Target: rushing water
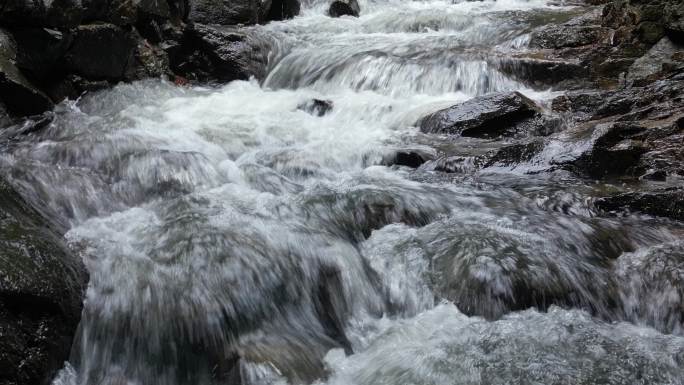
230 235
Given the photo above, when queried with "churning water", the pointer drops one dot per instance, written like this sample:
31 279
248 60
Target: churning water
231 236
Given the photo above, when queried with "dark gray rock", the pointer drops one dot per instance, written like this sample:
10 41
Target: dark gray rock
41 13
317 107
41 294
19 95
233 12
545 71
667 203
221 54
488 116
409 157
561 36
610 150
100 51
40 51
273 10
224 12
515 153
647 68
344 8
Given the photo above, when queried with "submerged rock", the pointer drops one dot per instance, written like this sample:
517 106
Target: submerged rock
41 292
488 116
317 107
340 8
652 286
663 203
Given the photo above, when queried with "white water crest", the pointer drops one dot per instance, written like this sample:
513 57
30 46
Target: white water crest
233 237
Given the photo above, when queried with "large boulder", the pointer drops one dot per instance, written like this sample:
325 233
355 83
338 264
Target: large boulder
40 50
41 294
223 12
101 51
220 54
19 95
230 12
344 8
489 116
41 13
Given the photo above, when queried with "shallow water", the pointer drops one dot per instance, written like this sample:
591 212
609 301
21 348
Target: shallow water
230 234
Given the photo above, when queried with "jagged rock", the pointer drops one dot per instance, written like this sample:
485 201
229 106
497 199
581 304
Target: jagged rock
40 51
16 92
515 153
223 54
41 294
562 36
667 203
150 62
611 149
100 51
648 67
344 8
317 107
41 13
488 116
543 71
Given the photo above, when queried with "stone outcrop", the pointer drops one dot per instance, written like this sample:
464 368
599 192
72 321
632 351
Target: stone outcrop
51 50
42 286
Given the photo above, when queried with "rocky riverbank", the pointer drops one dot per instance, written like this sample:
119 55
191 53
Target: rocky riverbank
620 122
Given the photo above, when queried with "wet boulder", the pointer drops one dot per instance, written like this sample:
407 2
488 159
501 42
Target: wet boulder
599 150
490 116
19 95
655 62
555 36
222 12
409 157
221 54
316 107
41 294
544 71
100 51
41 13
40 50
514 154
340 8
667 203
